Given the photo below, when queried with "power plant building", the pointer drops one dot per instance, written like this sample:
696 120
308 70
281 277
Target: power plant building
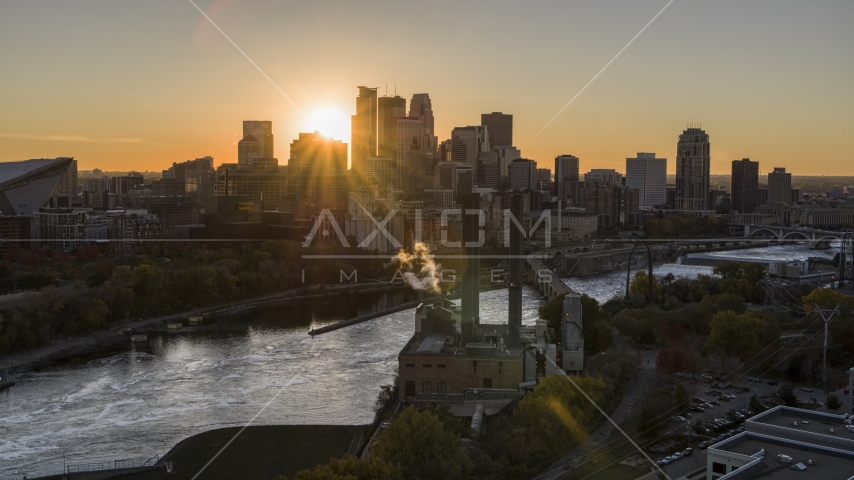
457 358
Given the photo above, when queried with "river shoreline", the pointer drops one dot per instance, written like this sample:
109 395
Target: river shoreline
117 338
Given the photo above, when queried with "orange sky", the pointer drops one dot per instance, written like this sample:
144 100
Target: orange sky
121 85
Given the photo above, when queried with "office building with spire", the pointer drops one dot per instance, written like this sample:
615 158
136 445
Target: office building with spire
421 107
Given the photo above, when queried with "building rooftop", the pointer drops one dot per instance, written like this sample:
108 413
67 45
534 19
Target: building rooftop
827 464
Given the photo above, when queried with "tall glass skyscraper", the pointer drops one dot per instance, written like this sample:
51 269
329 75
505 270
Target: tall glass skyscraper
363 130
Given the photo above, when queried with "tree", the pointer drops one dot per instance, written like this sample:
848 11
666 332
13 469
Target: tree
756 406
95 317
680 396
832 402
732 336
421 446
648 423
640 286
351 468
787 395
827 298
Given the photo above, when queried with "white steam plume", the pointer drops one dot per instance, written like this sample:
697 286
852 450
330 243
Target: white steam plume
430 273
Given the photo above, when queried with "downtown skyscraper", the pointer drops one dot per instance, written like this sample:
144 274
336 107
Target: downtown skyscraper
388 108
500 128
692 170
363 132
421 108
744 196
648 175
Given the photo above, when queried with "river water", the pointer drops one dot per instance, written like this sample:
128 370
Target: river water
140 403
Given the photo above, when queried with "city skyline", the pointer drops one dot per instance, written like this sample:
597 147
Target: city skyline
116 107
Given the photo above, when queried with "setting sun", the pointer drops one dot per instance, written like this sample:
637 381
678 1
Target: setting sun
331 122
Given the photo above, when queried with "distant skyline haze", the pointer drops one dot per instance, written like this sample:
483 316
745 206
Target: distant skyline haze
139 85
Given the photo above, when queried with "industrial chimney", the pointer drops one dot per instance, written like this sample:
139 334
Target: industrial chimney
470 295
514 311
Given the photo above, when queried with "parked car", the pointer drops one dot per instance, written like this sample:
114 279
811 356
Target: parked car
730 396
667 460
773 382
659 463
687 415
806 389
706 376
688 452
715 403
703 445
707 405
699 409
677 456
680 418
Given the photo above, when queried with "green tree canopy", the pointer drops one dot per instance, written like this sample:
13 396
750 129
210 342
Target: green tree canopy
422 447
351 468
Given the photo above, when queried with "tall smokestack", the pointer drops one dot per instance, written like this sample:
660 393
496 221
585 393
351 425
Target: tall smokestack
514 311
470 289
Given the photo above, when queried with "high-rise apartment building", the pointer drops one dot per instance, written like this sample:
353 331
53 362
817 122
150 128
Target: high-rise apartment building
387 108
779 186
467 142
648 175
604 176
262 131
363 129
566 170
523 174
692 170
500 128
744 195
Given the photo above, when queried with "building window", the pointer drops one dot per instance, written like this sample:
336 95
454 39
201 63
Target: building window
426 365
487 383
425 387
441 366
440 388
474 363
410 365
718 467
410 388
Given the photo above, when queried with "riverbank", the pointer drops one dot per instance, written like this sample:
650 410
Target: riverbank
117 337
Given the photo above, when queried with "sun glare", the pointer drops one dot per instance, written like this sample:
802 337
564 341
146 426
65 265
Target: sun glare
330 122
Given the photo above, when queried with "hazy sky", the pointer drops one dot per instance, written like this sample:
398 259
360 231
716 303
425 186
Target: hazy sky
141 84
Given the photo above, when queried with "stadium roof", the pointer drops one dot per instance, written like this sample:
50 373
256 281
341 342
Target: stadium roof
25 186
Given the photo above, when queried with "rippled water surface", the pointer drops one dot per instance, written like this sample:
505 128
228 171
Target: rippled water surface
140 403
